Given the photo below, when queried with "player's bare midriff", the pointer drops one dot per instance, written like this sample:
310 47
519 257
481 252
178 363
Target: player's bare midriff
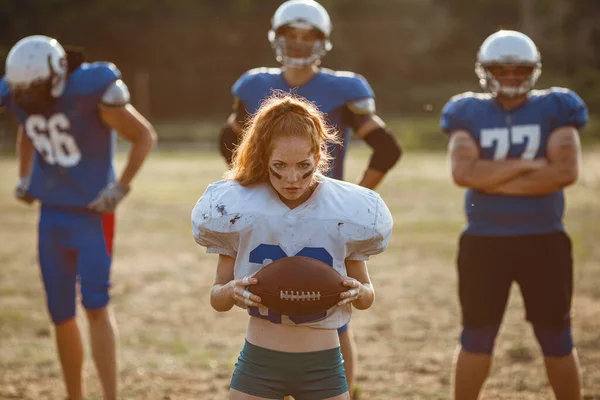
291 339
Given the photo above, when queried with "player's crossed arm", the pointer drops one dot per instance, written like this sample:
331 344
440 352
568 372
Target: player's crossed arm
563 154
469 170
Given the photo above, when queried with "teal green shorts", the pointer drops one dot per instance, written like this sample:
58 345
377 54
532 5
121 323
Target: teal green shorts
274 374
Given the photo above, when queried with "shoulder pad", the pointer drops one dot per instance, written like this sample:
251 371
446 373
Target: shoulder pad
459 110
94 77
209 225
249 81
354 86
572 109
365 221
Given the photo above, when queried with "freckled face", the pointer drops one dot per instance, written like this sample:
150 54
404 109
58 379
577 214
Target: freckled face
291 168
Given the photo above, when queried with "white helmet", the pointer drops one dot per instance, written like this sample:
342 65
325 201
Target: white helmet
508 48
36 71
303 14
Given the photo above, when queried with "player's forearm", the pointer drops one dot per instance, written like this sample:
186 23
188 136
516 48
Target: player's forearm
371 178
488 174
366 299
536 183
140 148
25 154
221 298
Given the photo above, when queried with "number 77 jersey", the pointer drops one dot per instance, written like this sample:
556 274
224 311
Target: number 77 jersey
341 221
501 134
73 147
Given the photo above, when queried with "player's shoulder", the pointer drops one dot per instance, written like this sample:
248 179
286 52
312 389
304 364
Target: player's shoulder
562 95
466 106
563 105
468 99
228 200
93 77
225 190
363 218
348 188
350 83
353 203
256 77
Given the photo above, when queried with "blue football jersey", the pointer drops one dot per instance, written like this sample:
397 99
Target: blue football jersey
331 91
519 133
74 149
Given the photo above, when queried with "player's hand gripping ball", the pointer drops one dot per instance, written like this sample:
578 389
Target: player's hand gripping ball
298 286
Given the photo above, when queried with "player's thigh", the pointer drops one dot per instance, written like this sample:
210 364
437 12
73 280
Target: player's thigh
58 266
259 373
484 280
343 396
237 395
321 376
94 248
546 279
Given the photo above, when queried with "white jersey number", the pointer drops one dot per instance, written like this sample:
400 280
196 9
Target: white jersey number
503 138
51 138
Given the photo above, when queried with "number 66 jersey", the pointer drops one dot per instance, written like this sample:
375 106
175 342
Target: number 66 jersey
340 221
74 148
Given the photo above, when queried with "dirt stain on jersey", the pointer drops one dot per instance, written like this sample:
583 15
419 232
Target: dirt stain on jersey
221 209
234 219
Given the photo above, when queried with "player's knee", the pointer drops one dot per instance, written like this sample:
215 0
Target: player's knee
94 298
60 311
61 315
554 342
479 341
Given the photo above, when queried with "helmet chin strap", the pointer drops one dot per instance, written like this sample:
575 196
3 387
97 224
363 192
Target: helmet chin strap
495 87
298 63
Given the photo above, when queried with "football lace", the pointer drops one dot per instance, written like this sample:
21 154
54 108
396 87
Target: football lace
299 295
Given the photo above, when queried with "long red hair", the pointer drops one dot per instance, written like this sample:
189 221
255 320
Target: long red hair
281 114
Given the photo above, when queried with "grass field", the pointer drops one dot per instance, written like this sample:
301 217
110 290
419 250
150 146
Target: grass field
174 346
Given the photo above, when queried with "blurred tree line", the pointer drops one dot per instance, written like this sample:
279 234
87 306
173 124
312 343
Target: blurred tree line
184 55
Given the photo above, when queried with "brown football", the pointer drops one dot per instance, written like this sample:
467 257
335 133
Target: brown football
298 286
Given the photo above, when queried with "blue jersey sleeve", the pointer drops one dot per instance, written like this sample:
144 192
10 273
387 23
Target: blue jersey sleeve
354 86
454 114
245 87
93 79
240 86
571 109
255 85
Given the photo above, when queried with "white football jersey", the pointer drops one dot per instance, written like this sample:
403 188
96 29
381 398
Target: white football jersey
340 221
